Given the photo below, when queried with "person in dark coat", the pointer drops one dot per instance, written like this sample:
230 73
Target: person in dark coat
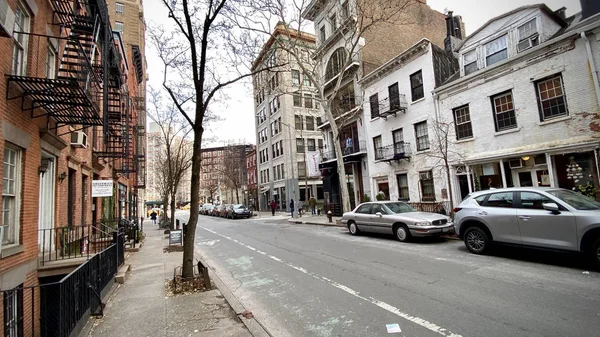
153 217
292 207
273 205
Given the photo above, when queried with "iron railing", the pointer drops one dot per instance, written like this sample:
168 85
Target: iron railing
397 151
60 309
441 207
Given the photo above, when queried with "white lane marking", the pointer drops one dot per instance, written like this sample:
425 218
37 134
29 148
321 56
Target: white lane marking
390 308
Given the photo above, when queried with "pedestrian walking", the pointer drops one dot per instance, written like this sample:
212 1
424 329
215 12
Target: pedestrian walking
273 205
153 217
300 207
292 207
312 202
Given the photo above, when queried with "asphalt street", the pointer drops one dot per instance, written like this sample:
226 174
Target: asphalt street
306 280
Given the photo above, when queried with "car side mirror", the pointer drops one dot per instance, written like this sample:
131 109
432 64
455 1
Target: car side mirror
552 207
379 214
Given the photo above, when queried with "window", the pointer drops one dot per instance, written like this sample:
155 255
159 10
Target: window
322 34
496 51
374 104
298 122
22 19
416 85
345 10
422 136
402 186
307 82
11 193
308 101
376 208
377 144
301 169
470 62
500 200
295 77
119 8
320 143
297 99
398 137
394 96
504 111
462 123
528 36
531 200
299 145
551 98
364 209
427 186
333 21
310 123
335 63
119 27
13 312
310 144
51 62
319 121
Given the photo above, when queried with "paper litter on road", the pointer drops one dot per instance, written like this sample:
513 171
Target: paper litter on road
392 328
586 272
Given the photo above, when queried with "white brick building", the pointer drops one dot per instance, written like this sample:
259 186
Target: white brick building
526 104
399 119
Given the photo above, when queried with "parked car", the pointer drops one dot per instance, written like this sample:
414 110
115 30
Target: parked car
398 218
207 209
223 210
552 218
238 211
216 211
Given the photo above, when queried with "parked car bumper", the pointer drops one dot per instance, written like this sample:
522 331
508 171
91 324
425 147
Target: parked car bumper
432 230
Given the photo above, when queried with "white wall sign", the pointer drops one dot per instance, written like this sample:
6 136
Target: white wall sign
102 188
313 158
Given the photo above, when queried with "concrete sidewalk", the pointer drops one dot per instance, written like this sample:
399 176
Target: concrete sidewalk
140 307
322 220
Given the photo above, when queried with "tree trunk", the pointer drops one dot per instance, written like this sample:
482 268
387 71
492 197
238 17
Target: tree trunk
190 229
164 212
172 206
450 194
237 195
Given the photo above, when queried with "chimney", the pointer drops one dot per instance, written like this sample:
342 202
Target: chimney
561 12
589 8
454 32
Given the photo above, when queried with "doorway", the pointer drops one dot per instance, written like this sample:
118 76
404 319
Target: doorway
46 203
537 177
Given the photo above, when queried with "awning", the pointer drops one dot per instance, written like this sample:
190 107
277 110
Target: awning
264 189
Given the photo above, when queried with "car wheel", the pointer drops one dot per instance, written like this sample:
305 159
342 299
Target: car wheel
595 253
402 234
353 228
476 240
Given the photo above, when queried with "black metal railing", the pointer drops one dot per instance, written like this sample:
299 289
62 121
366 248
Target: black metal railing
59 309
397 151
356 146
391 105
441 207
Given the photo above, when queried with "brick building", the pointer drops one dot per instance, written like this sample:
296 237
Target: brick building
251 190
70 115
221 165
378 44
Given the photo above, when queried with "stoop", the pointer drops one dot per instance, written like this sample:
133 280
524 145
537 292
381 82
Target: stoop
122 273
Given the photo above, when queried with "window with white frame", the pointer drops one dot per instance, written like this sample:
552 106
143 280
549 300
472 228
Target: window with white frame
462 123
374 105
416 85
398 137
298 122
119 8
402 180
20 39
50 61
310 144
119 26
11 194
295 77
551 98
422 136
310 123
306 80
528 35
322 34
300 145
302 169
427 186
378 145
470 62
504 111
345 10
333 22
308 101
496 50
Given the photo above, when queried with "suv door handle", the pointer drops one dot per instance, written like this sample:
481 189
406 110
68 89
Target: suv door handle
482 213
524 217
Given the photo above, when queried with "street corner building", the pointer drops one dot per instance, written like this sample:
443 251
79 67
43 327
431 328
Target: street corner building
72 113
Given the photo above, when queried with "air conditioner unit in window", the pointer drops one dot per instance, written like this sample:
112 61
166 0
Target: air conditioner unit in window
515 163
425 175
7 19
79 139
528 43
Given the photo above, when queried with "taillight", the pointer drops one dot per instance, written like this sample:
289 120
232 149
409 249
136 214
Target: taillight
456 209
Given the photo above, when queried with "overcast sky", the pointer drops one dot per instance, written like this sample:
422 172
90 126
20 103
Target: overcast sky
238 114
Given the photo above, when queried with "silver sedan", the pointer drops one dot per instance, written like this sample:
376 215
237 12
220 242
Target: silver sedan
398 218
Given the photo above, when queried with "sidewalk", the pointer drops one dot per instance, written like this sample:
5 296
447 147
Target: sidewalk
140 307
322 220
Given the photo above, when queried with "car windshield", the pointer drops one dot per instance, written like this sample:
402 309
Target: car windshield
576 200
240 206
399 207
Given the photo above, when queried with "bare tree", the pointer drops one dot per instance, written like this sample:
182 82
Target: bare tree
233 169
202 53
175 150
329 78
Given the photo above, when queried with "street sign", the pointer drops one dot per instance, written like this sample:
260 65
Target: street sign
176 237
102 188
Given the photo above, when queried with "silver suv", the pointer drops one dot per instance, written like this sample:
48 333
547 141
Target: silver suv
551 218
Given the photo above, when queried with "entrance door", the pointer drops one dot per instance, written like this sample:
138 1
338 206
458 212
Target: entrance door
531 178
46 205
525 179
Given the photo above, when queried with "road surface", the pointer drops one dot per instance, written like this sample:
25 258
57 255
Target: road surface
306 280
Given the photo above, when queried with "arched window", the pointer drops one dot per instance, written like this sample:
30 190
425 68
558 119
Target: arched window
335 64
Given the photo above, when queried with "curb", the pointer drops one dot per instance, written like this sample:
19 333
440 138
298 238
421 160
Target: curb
333 224
252 324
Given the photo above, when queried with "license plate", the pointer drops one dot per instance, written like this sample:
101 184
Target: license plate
445 230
